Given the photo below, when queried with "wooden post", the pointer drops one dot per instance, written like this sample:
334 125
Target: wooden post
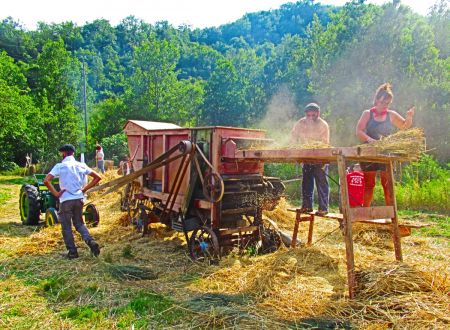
311 229
297 224
347 223
395 229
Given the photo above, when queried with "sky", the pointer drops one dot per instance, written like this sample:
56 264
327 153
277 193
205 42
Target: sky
196 13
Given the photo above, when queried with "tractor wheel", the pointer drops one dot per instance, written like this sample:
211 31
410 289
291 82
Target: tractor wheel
204 245
29 205
51 217
91 216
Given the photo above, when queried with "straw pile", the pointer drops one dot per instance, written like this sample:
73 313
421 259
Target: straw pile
398 296
285 289
283 217
288 283
409 143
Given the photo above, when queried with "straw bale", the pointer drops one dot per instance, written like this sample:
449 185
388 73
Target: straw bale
409 143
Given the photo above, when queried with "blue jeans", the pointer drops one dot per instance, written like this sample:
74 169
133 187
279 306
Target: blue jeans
101 166
317 172
71 212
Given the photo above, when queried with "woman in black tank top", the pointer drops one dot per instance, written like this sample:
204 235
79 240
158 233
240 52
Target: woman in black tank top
374 124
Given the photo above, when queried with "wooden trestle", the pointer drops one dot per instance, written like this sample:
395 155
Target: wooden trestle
349 215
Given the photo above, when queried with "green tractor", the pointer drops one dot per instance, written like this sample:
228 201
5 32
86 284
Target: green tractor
35 199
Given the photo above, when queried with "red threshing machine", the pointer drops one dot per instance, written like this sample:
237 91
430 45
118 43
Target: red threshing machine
193 185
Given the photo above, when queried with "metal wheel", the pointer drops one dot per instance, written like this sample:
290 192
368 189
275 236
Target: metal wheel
51 217
213 187
204 245
91 216
29 205
185 147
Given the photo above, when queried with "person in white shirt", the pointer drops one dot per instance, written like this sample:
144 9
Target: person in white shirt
100 157
71 174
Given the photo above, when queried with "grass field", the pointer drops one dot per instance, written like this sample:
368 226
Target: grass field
149 282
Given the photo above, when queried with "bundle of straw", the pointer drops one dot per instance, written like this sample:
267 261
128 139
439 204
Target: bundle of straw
409 143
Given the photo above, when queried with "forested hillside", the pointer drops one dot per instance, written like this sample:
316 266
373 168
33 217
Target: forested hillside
256 72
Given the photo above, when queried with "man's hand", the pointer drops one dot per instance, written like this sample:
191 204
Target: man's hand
48 183
96 178
59 193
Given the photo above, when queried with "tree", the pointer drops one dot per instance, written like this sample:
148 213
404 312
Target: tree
223 98
19 118
154 91
55 94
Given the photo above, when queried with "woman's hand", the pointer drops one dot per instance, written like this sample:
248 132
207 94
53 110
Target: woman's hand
410 112
370 140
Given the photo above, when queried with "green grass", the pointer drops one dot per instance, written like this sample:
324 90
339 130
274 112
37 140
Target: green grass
146 309
5 194
439 224
16 180
439 228
83 314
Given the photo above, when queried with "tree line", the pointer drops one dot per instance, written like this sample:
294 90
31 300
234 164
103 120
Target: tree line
258 71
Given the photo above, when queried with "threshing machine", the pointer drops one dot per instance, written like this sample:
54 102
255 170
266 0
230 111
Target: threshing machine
191 187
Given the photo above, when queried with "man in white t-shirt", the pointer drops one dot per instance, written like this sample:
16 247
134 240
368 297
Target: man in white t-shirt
71 174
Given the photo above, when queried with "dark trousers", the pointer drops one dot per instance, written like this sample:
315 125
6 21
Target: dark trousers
317 173
71 212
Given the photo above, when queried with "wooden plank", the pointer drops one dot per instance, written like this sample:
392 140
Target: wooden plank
313 155
395 229
241 210
370 213
347 223
238 230
335 216
202 204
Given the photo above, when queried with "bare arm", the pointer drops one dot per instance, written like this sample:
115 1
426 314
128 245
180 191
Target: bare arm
400 122
91 184
326 134
361 126
48 182
294 134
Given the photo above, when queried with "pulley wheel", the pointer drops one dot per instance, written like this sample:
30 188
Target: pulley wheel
213 187
185 147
